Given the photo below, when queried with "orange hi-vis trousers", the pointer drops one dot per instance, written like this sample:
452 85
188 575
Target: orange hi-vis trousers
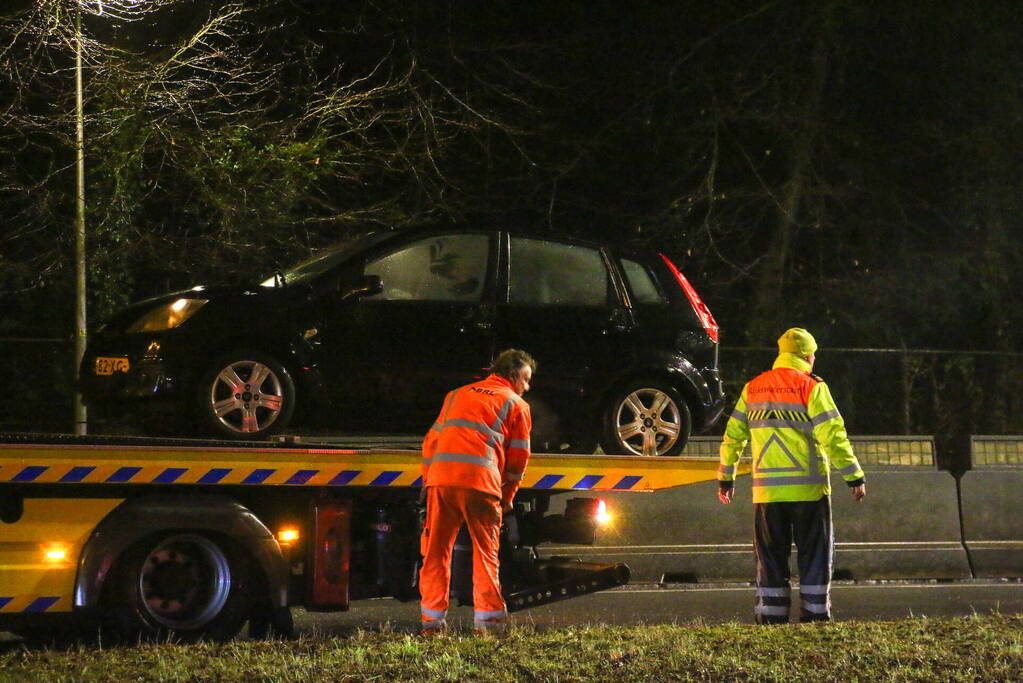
447 508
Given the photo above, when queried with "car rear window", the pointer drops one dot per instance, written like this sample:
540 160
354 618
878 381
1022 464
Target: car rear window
554 273
645 289
444 268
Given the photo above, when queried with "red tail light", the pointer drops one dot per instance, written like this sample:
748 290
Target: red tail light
706 319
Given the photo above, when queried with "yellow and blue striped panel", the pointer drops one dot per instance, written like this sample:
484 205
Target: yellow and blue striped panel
155 465
34 604
617 472
227 474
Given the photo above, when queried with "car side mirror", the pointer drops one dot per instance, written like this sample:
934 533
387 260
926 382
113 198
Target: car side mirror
367 285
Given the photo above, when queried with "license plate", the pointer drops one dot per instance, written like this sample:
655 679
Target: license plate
108 366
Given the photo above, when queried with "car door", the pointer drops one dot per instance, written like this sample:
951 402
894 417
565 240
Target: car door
562 305
391 357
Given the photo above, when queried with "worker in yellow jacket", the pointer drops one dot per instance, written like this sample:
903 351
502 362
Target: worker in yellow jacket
797 435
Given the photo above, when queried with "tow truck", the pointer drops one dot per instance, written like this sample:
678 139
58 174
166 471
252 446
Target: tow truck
151 538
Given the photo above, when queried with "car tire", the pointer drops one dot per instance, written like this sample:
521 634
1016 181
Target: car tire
646 417
230 404
185 586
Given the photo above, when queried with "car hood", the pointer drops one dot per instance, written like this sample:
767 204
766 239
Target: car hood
254 300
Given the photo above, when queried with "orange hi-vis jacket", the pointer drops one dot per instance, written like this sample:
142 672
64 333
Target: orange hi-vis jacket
480 440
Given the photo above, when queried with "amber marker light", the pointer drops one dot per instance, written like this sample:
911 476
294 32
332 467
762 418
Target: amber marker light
287 536
602 515
55 553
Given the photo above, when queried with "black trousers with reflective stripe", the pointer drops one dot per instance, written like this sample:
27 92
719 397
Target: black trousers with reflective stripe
776 526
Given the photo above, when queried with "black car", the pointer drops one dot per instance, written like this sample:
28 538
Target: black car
370 335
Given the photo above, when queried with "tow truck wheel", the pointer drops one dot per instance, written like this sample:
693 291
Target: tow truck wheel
184 586
246 395
646 417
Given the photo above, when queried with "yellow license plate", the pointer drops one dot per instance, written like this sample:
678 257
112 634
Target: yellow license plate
108 366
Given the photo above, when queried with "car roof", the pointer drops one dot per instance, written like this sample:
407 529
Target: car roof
376 237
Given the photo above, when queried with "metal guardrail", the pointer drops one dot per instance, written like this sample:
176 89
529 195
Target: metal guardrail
894 450
994 451
870 450
705 447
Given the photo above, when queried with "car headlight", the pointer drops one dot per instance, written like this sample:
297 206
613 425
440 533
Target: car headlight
167 316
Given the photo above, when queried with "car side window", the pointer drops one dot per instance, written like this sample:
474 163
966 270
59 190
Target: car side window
444 268
641 282
544 272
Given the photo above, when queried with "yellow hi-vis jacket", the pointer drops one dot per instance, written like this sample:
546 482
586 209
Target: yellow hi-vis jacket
797 434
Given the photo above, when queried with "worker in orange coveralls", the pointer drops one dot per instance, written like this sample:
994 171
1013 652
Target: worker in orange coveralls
473 460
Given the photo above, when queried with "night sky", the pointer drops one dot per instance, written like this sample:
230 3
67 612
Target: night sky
852 167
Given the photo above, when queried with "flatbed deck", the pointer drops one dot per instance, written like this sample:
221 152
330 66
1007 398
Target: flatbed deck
46 459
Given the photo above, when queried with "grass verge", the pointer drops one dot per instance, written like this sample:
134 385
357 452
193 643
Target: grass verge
984 648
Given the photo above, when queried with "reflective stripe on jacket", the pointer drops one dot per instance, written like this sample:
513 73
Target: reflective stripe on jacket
797 435
480 440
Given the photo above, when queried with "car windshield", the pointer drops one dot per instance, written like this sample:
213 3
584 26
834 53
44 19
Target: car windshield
321 261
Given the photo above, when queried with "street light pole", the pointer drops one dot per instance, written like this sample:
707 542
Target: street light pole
81 330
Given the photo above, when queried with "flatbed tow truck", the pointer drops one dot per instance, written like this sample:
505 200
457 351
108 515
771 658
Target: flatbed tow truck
145 537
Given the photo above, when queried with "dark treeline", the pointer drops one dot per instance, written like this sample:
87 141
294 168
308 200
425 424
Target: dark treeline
849 166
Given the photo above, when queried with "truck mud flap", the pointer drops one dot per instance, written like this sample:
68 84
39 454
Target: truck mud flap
560 578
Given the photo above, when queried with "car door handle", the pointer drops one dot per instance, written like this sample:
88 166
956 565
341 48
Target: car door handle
618 322
481 325
480 319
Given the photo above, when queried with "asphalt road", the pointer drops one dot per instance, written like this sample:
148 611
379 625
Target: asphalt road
639 604
653 604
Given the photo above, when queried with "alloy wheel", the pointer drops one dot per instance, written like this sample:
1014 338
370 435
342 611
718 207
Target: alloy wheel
246 396
648 422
